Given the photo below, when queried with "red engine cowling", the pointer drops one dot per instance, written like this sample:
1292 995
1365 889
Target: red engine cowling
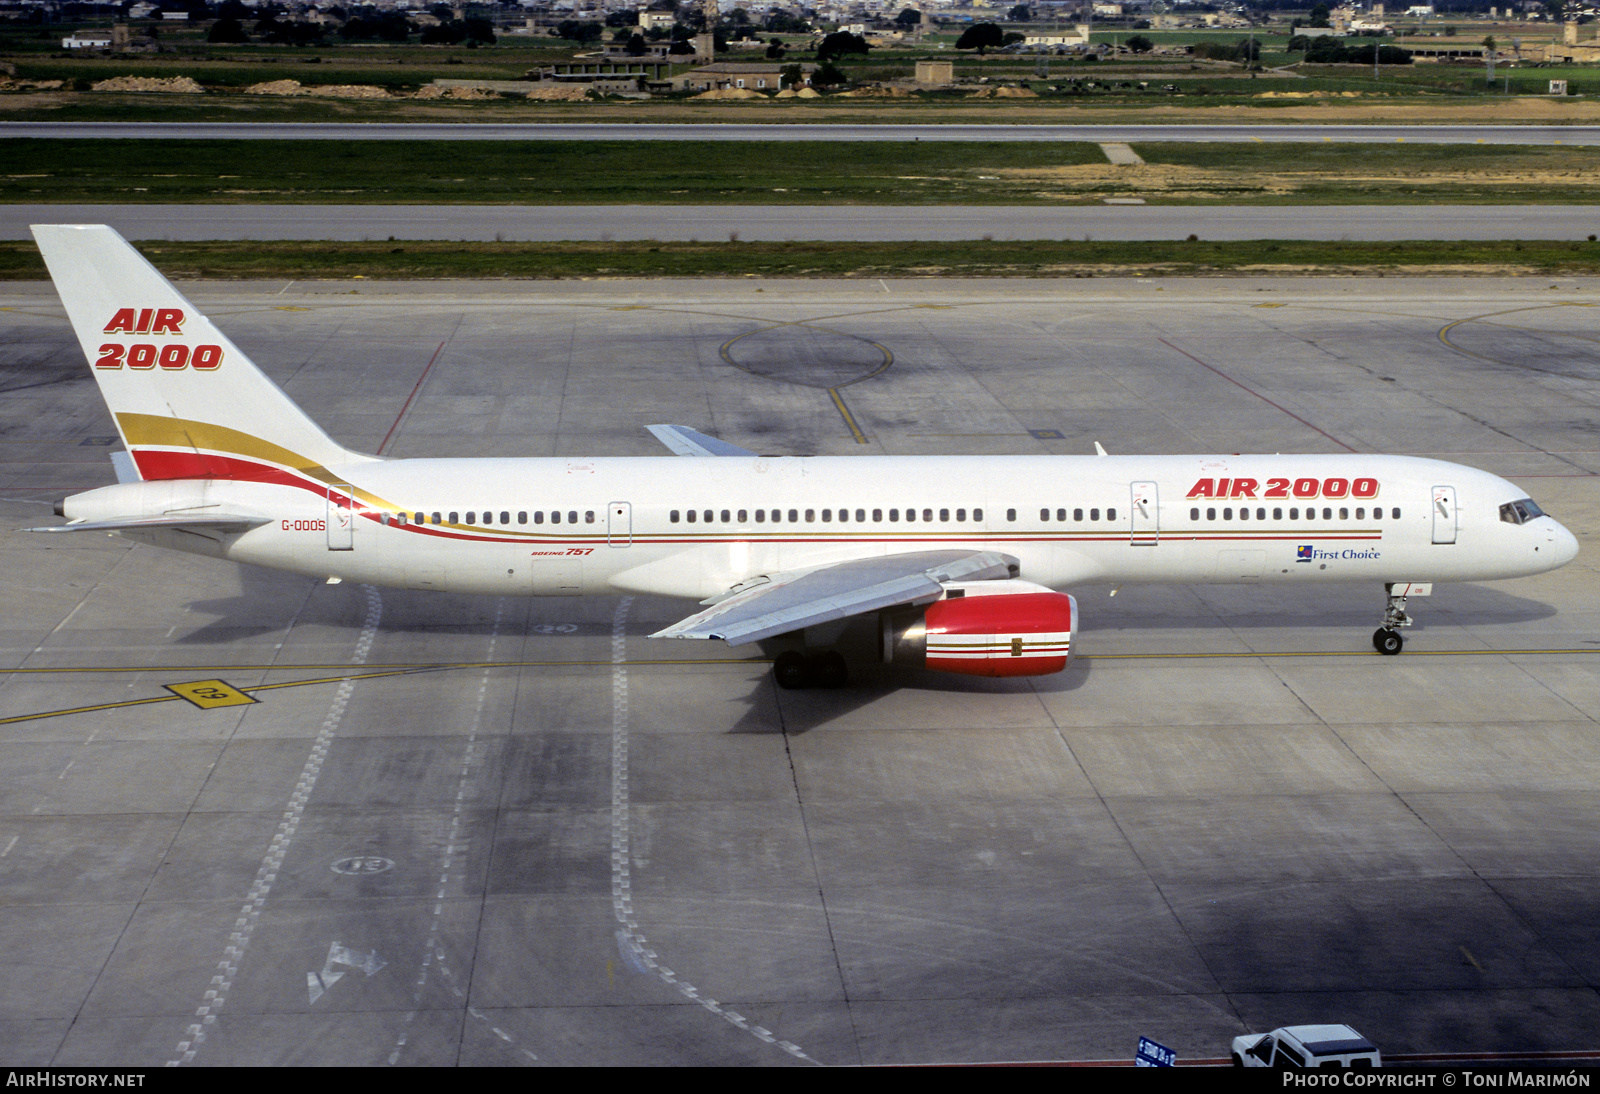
990 628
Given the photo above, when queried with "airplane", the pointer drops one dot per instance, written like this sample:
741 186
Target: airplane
962 560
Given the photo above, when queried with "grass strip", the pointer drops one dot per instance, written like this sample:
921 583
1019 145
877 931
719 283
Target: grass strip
231 172
316 260
525 172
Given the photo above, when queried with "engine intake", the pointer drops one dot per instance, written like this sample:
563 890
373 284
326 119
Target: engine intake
987 628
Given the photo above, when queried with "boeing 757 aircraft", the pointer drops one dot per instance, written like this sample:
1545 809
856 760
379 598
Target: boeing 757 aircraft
961 559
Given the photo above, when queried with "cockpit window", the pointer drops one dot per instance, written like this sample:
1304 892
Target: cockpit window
1520 512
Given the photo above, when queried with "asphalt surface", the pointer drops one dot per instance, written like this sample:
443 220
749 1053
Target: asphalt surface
843 131
536 837
815 222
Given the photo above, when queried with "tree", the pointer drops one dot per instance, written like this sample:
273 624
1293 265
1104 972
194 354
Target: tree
828 75
909 17
1140 44
1319 15
227 32
839 43
776 49
980 36
1020 14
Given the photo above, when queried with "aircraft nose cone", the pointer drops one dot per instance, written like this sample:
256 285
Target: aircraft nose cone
1563 545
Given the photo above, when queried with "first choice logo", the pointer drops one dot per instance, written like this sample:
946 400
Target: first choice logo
1285 488
147 355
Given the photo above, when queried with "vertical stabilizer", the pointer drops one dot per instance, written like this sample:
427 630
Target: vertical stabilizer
187 402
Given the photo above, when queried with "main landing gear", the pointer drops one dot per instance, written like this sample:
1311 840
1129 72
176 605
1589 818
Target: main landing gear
795 670
1386 639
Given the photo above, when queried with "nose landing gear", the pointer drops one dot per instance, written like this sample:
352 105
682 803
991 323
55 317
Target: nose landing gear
1386 639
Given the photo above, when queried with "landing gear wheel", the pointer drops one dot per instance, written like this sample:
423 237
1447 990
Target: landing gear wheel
792 671
1387 642
828 670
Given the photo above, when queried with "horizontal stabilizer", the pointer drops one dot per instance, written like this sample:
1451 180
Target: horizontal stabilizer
791 602
684 441
213 522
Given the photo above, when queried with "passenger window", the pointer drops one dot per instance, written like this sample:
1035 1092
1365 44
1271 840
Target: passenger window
1211 514
1094 514
744 516
1061 514
690 515
911 514
522 516
1344 514
827 516
455 518
436 518
1327 514
811 515
1044 514
761 516
961 515
505 518
1227 514
927 514
1261 514
877 515
470 516
555 518
1194 514
588 516
861 515
1361 514
672 517
1011 514
725 516
1244 514
944 515
1111 514
794 516
977 514
1077 515
572 516
844 516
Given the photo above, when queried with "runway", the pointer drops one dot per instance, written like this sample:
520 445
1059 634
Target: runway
432 830
841 131
836 223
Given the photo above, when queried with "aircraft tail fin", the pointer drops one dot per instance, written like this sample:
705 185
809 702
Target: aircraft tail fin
186 401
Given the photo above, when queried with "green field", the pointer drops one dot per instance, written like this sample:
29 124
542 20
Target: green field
782 172
410 260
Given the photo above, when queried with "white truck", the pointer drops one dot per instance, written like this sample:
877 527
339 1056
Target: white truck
1304 1048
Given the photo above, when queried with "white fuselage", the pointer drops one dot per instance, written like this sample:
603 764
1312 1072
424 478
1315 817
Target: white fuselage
625 523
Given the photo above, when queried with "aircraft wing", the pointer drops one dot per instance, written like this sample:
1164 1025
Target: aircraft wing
690 442
213 522
780 603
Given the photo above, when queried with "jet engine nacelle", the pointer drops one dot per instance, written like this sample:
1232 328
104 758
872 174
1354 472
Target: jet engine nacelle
986 628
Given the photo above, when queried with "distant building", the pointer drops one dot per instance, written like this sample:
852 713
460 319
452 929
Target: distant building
750 75
87 39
